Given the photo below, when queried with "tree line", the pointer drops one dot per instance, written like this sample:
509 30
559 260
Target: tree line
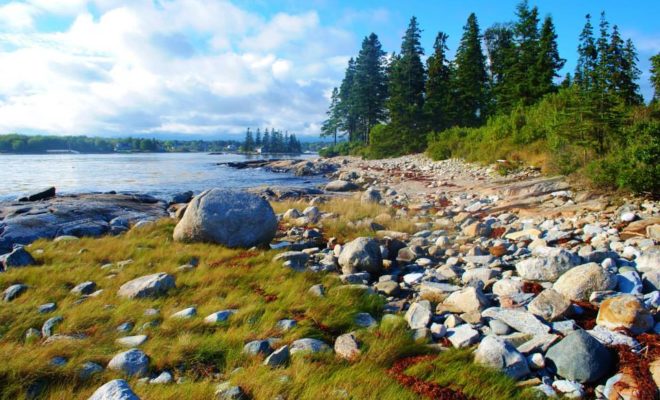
272 141
393 104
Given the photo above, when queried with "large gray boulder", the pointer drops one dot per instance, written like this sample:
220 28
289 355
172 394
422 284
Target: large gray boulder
307 345
362 254
341 186
14 291
580 357
18 257
132 363
40 194
649 260
578 283
117 389
147 286
227 217
546 264
500 354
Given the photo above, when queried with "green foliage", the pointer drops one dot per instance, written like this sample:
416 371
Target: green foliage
342 149
437 107
386 141
655 76
370 86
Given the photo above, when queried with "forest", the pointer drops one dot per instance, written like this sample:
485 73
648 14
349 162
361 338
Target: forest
272 141
501 98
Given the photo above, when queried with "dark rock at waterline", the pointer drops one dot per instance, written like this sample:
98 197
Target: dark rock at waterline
183 197
18 257
42 194
82 215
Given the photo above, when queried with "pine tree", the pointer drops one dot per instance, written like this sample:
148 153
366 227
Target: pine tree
502 58
331 125
257 139
248 145
527 40
470 77
629 89
438 87
266 142
406 90
346 105
587 57
549 62
655 77
370 86
603 72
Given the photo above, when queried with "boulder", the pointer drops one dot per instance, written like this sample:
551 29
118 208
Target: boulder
257 347
419 314
182 197
578 283
278 357
519 319
625 311
117 389
132 363
219 317
186 313
649 260
131 341
147 286
547 264
371 196
462 336
19 257
549 305
41 194
13 291
341 186
84 288
500 354
580 357
466 300
230 218
361 254
308 345
347 346
49 326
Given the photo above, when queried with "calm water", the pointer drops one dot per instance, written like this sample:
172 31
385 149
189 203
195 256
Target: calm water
156 174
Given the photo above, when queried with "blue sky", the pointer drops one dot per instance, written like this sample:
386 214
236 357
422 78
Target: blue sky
205 68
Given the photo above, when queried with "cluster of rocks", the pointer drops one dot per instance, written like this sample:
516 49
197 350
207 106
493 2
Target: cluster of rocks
544 299
298 167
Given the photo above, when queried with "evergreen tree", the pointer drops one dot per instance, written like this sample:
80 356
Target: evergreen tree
628 87
265 146
470 79
370 91
603 72
502 59
438 87
248 145
655 77
526 71
406 90
346 103
331 125
257 139
587 57
549 62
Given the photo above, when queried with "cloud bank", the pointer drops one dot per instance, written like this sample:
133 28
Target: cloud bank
180 66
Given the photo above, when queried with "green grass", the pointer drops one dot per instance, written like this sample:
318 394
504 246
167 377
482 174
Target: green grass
263 292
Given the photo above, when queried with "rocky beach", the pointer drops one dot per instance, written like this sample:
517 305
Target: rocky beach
554 286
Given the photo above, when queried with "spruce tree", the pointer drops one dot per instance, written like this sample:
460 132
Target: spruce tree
257 139
655 77
346 108
370 86
527 39
406 90
248 145
603 72
470 79
266 142
629 88
549 62
438 87
587 57
502 61
331 125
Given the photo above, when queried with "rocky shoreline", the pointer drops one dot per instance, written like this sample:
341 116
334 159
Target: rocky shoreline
556 287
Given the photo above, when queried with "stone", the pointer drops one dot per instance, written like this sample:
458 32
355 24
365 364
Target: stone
117 389
507 287
437 288
131 341
132 363
219 316
307 345
536 361
462 336
365 320
257 347
388 288
612 338
569 389
538 343
547 264
579 357
47 308
88 369
227 391
475 276
341 186
468 299
317 290
419 314
498 327
649 260
477 229
227 217
147 286
519 319
347 346
84 288
18 257
286 324
361 254
186 313
497 353
578 283
549 305
13 291
278 358
294 259
49 325
164 378
371 196
41 194
625 311
438 331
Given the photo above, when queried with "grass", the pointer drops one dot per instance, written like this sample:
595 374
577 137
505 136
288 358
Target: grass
263 292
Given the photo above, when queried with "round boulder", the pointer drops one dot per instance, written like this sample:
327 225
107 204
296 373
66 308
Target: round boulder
117 389
362 254
578 283
227 217
625 311
580 357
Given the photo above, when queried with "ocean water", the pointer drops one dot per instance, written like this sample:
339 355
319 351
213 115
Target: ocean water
160 174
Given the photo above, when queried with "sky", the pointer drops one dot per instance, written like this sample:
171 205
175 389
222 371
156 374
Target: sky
212 68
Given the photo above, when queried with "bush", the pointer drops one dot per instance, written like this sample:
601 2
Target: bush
342 149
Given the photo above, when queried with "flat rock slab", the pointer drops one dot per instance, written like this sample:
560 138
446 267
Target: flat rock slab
519 319
83 215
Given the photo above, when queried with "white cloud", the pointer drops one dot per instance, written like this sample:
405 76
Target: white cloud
176 66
